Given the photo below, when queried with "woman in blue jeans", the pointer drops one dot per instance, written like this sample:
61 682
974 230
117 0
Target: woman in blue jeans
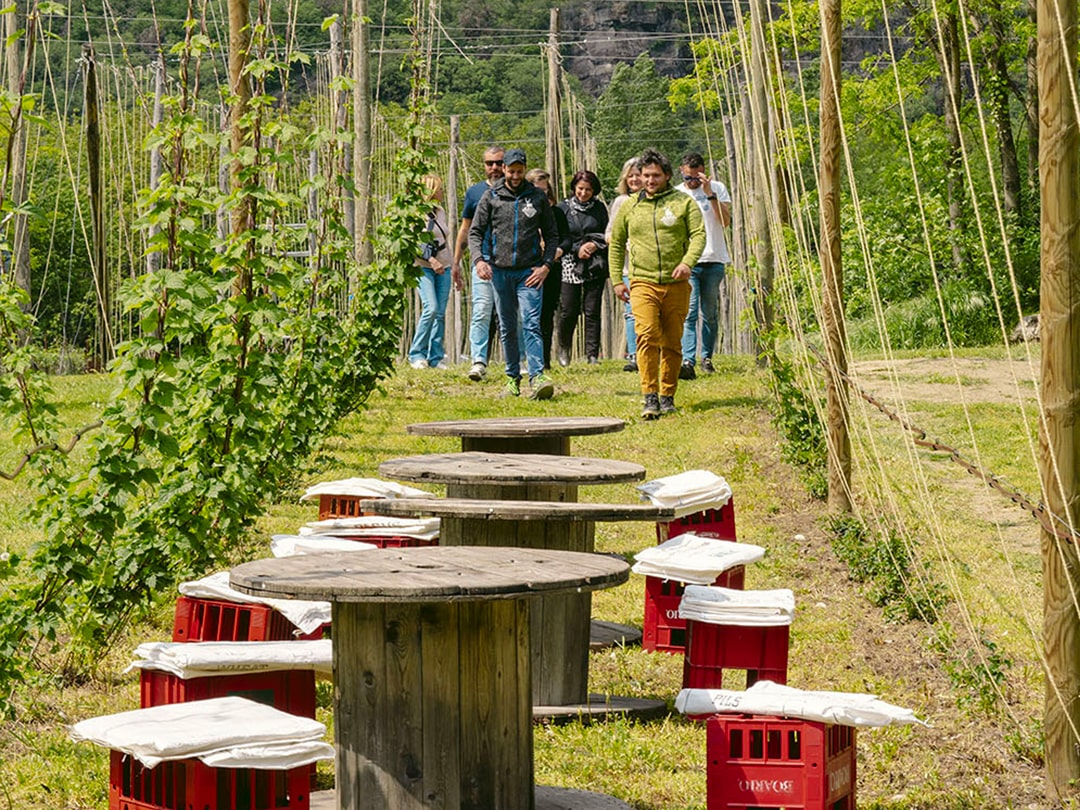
427 349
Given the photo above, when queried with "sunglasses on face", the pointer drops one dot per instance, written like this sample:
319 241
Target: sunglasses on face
691 178
493 163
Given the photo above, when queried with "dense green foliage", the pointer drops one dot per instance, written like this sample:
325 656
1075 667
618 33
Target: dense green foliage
242 363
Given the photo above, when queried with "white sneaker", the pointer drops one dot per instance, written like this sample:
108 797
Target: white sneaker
419 364
478 371
442 366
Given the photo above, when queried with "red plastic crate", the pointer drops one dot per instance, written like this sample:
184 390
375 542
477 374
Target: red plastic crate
291 691
663 630
389 541
715 523
769 762
188 784
712 648
212 620
342 506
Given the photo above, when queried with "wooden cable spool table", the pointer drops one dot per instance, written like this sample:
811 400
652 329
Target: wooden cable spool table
432 699
561 622
548 435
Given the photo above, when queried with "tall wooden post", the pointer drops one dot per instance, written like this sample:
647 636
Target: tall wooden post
103 345
455 333
337 70
762 171
153 259
15 80
553 128
361 132
1059 326
240 88
831 270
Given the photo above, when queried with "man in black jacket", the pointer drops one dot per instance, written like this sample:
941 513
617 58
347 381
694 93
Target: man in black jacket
517 257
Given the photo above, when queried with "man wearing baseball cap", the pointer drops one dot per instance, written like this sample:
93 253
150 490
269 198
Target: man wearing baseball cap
516 257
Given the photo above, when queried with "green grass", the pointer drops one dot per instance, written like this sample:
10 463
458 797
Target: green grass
839 641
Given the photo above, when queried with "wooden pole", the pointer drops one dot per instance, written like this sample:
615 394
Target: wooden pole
454 332
553 129
839 442
341 108
15 79
240 87
361 132
762 173
153 259
103 349
1059 325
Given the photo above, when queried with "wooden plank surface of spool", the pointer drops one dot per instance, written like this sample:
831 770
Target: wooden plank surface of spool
519 434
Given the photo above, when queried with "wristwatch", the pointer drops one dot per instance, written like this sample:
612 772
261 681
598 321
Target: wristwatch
710 196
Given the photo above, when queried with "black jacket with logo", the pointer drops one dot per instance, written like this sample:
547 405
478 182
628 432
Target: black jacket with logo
522 227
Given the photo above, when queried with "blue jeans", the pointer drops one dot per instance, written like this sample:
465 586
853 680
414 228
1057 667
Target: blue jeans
483 303
428 341
704 300
512 298
628 316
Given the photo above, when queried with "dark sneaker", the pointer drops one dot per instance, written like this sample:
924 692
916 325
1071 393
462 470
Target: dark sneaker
631 364
652 407
667 405
513 387
687 371
706 365
542 387
477 371
564 358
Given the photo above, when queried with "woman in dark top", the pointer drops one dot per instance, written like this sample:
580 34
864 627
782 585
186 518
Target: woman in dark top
584 265
552 284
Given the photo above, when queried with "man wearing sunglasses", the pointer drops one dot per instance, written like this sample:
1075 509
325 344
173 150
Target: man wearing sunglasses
714 201
483 297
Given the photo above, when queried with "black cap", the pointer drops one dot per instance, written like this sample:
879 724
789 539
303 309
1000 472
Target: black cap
513 156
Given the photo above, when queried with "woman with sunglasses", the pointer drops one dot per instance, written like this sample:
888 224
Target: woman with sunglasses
628 185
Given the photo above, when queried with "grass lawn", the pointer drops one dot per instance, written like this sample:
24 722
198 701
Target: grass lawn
839 639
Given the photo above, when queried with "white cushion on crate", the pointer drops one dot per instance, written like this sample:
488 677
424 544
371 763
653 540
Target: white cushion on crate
374 526
695 560
363 488
307 616
716 605
262 736
294 545
778 700
205 659
688 492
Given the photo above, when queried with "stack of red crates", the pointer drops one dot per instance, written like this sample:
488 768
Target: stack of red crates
188 784
662 629
771 762
198 619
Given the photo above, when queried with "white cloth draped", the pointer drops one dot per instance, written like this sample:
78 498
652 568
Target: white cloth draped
363 488
294 545
217 731
717 605
695 560
208 658
778 700
688 492
374 526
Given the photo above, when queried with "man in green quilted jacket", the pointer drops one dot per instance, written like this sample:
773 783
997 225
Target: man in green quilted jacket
662 232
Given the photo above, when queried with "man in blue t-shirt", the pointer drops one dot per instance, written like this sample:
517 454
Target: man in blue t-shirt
483 298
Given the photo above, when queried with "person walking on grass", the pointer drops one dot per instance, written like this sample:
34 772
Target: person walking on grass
482 298
542 180
427 350
584 266
661 233
713 199
628 185
515 236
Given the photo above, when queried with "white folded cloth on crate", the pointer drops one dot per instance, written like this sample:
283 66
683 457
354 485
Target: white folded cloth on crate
223 729
688 492
363 488
374 526
295 545
778 700
695 560
716 605
307 616
204 659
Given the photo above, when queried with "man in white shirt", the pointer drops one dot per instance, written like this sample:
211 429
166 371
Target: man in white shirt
714 201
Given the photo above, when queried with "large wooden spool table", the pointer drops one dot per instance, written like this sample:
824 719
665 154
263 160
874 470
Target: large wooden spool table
548 435
561 622
432 699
